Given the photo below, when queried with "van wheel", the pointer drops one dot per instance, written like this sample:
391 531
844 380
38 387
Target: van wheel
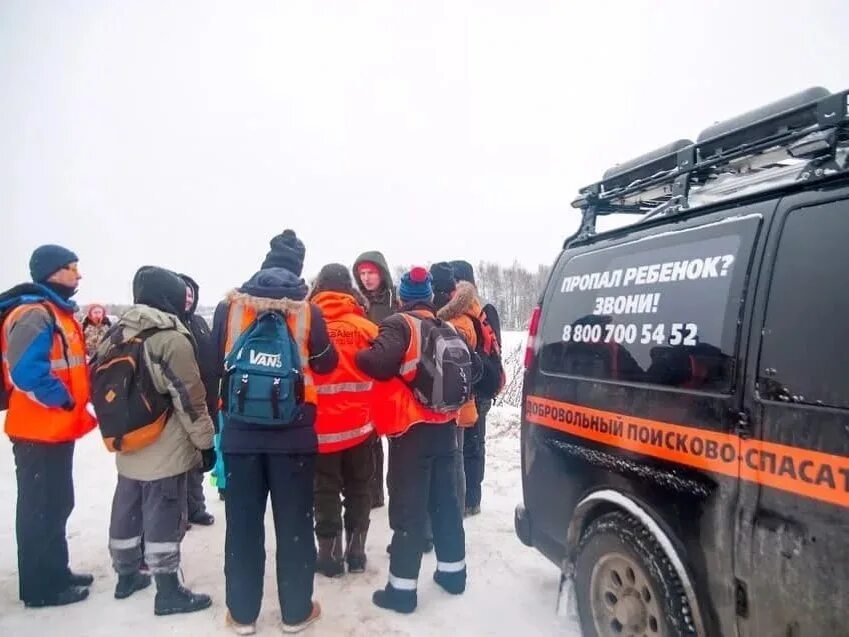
624 584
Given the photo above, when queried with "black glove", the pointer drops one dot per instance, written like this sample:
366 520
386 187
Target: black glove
69 405
208 458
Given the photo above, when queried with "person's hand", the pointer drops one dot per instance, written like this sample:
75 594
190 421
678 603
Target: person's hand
69 405
208 459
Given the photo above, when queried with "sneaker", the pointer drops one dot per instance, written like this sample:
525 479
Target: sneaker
239 629
296 628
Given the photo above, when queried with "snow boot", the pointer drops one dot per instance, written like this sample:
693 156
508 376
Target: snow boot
129 584
173 598
330 561
454 583
355 553
239 629
471 511
80 579
391 598
70 595
311 618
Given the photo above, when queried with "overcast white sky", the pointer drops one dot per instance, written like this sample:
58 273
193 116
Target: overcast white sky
186 134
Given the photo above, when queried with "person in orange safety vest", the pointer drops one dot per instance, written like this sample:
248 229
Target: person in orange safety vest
422 452
45 383
344 427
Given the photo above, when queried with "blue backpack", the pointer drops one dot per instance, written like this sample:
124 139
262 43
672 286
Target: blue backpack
263 381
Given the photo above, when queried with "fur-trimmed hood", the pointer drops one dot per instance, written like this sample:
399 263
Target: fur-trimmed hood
464 301
262 304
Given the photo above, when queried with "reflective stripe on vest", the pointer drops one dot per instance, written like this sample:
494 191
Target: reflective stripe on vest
65 363
29 419
339 388
344 436
414 351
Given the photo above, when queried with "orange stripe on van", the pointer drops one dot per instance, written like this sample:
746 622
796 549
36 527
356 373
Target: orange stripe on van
808 473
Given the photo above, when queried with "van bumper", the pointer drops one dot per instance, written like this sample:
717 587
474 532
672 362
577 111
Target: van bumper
522 523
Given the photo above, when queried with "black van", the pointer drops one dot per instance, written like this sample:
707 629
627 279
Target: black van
685 421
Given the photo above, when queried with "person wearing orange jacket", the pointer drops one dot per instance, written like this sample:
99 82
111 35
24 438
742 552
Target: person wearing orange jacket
45 380
422 452
343 424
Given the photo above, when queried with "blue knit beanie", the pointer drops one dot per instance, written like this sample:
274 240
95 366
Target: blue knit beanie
48 259
416 285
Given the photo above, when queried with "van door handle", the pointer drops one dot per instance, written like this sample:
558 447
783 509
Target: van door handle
743 427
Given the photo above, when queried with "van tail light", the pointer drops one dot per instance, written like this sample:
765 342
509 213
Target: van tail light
533 328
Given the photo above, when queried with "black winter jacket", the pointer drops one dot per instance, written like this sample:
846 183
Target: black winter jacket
382 361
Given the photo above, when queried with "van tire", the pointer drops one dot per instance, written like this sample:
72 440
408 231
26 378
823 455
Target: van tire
625 585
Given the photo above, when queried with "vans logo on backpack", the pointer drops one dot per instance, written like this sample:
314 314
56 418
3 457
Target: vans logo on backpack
265 360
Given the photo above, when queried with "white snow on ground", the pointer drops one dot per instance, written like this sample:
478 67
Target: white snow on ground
512 590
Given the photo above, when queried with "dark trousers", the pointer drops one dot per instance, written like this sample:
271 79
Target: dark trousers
377 495
423 480
45 501
474 454
155 509
289 480
347 472
461 482
194 493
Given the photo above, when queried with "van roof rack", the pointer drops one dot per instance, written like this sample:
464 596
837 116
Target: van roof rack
801 138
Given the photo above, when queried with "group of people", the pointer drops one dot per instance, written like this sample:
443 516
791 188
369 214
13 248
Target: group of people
286 398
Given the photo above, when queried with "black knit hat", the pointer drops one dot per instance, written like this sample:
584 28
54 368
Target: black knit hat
160 288
334 277
287 251
463 271
443 277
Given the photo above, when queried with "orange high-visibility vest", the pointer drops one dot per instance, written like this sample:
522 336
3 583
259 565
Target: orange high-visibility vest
344 408
240 315
396 409
27 418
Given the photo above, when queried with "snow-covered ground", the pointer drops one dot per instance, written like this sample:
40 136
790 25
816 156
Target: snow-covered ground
512 590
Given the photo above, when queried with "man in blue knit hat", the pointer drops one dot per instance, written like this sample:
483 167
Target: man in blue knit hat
45 383
422 450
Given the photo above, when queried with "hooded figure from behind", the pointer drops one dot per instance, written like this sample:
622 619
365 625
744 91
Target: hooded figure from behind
150 497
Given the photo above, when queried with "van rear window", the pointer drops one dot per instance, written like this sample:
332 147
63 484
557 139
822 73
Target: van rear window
662 309
803 355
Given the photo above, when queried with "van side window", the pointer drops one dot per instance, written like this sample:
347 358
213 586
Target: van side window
661 309
806 330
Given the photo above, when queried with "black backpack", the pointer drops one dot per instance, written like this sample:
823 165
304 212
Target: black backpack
443 380
130 411
492 378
